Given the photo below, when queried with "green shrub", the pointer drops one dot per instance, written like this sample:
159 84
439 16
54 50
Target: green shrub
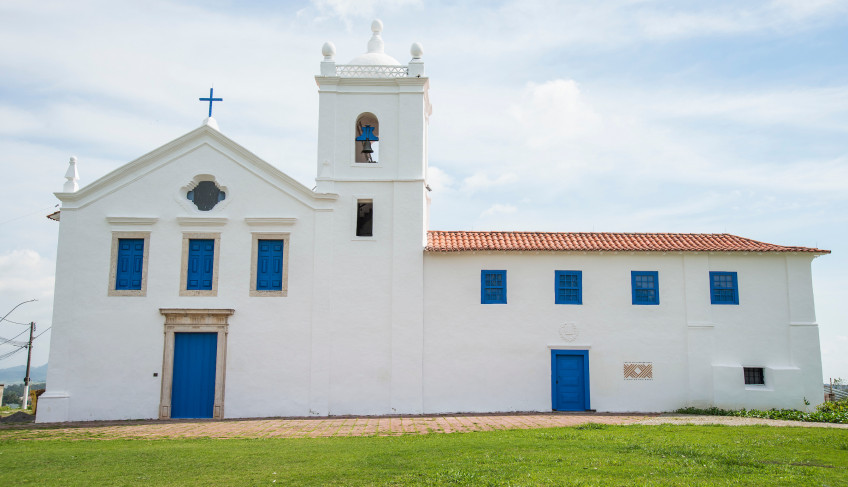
829 412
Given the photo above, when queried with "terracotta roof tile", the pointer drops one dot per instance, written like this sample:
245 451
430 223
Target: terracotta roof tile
439 241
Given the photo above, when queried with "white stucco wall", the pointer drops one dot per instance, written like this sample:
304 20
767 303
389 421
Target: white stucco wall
496 357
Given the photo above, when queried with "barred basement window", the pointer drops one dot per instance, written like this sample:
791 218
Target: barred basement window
754 376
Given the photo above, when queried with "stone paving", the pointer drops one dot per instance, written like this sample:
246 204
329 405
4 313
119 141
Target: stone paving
360 425
314 427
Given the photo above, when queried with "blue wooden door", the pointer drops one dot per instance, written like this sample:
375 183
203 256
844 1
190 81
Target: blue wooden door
570 380
193 385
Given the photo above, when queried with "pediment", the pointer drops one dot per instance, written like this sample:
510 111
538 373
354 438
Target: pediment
204 137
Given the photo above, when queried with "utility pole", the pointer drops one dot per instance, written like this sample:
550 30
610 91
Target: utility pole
29 357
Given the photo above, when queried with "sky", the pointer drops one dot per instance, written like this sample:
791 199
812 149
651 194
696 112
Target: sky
611 115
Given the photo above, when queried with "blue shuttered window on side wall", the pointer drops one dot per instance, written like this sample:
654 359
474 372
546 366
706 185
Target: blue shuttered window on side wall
130 263
646 287
269 265
492 287
201 257
724 288
568 287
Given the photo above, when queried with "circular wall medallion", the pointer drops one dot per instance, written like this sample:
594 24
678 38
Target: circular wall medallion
568 332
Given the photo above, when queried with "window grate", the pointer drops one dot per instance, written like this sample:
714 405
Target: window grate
754 376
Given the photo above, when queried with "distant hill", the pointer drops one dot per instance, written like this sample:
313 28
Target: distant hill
14 375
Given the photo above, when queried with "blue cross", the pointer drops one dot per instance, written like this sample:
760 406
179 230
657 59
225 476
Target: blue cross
210 100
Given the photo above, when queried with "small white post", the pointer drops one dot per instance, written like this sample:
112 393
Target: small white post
328 65
416 65
72 176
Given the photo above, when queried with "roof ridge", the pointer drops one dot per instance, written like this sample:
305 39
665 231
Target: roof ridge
472 240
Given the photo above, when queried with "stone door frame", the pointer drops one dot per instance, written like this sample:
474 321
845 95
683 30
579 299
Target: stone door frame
185 320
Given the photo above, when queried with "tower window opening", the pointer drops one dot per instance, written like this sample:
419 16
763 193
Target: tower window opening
364 218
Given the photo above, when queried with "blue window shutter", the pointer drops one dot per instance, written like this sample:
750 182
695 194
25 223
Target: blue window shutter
201 260
492 287
724 288
568 287
130 263
645 286
269 265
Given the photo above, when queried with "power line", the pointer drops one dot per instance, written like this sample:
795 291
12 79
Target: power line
9 354
13 309
7 340
15 322
28 214
43 332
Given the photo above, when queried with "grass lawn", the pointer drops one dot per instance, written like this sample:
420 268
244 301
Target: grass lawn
583 455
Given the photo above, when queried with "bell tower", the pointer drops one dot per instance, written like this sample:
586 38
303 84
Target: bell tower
373 115
372 153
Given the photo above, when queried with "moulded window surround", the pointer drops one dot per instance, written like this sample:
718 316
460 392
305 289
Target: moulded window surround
646 287
216 258
492 287
724 288
204 195
254 264
568 287
113 287
754 376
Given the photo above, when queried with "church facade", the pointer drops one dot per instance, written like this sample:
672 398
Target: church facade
200 281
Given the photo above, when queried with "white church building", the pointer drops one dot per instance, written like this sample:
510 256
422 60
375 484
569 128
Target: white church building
199 281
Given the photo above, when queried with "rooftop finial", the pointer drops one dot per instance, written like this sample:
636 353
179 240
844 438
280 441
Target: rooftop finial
72 176
416 50
376 43
328 50
416 65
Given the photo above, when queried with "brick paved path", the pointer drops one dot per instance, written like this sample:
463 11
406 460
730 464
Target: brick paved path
312 427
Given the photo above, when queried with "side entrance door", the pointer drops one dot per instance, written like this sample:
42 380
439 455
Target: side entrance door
193 384
570 380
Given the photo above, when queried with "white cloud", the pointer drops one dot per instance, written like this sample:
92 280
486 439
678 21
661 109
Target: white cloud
360 9
552 111
439 180
25 274
499 209
481 180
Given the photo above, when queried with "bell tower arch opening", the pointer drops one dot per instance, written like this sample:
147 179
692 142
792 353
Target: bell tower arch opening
367 141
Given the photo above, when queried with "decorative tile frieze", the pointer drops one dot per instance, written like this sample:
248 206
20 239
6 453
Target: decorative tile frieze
638 371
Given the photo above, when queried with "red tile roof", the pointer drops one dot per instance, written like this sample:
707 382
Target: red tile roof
439 241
